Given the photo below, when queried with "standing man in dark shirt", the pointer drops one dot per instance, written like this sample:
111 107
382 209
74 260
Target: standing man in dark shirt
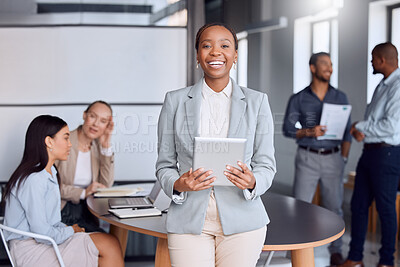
318 161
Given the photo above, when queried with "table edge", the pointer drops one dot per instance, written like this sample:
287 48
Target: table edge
127 227
303 245
265 247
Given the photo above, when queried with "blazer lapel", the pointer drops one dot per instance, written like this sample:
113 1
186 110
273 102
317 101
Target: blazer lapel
73 156
192 107
94 154
238 109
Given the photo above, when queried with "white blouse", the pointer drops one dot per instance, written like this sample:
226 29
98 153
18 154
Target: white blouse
83 171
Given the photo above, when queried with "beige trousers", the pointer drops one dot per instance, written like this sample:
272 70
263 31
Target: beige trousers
78 250
213 248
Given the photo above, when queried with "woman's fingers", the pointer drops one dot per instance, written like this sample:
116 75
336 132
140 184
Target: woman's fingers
194 174
244 167
200 181
203 176
110 126
195 180
235 171
243 178
235 179
204 183
99 185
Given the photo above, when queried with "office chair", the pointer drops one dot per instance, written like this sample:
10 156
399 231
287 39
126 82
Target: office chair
9 229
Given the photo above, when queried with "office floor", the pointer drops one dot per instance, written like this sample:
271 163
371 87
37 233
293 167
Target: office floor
321 254
371 255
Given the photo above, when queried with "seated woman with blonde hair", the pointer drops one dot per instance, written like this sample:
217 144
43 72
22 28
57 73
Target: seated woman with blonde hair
90 166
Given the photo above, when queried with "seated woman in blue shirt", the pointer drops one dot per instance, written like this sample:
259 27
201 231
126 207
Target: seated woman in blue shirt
33 201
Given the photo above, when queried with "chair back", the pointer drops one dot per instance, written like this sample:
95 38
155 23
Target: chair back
6 245
43 237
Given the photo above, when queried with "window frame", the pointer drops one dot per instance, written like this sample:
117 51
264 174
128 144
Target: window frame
334 54
389 10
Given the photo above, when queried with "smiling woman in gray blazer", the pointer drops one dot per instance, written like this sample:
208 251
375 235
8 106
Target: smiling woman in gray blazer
222 225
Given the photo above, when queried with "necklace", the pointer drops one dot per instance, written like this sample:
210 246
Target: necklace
85 147
82 145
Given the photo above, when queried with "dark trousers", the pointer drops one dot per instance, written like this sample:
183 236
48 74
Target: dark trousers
80 214
377 177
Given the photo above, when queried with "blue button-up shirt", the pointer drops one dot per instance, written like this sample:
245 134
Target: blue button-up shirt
306 108
36 207
382 118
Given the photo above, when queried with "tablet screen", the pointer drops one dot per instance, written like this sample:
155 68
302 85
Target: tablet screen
215 153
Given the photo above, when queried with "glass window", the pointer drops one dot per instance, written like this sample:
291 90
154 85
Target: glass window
325 39
395 27
335 52
321 37
383 26
240 73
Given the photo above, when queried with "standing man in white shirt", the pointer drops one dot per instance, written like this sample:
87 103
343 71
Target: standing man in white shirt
378 169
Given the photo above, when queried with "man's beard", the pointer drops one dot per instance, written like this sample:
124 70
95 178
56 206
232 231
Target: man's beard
321 78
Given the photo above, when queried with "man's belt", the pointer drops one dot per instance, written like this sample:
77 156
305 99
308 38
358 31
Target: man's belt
377 145
321 151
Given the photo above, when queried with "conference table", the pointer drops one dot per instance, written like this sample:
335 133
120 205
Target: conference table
295 225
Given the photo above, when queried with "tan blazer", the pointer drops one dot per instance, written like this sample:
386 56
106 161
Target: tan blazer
102 170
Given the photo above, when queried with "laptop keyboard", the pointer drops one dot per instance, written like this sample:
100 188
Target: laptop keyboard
137 201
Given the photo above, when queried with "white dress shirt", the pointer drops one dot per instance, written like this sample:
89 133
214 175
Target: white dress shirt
215 111
382 117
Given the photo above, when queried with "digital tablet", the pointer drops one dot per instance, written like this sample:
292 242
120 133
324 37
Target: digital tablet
215 153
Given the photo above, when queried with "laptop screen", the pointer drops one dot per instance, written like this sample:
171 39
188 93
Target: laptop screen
155 191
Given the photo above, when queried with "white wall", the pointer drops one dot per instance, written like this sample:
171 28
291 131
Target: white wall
59 70
79 64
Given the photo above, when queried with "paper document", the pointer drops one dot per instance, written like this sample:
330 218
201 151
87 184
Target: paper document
118 191
335 118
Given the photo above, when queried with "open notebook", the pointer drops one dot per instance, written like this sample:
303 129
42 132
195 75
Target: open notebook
118 191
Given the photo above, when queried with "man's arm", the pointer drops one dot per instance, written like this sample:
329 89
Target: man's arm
345 149
358 135
388 124
292 115
316 131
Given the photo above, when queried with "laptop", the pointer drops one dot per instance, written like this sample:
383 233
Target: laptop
215 153
136 202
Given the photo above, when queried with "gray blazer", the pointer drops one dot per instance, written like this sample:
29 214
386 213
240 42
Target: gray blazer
178 124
